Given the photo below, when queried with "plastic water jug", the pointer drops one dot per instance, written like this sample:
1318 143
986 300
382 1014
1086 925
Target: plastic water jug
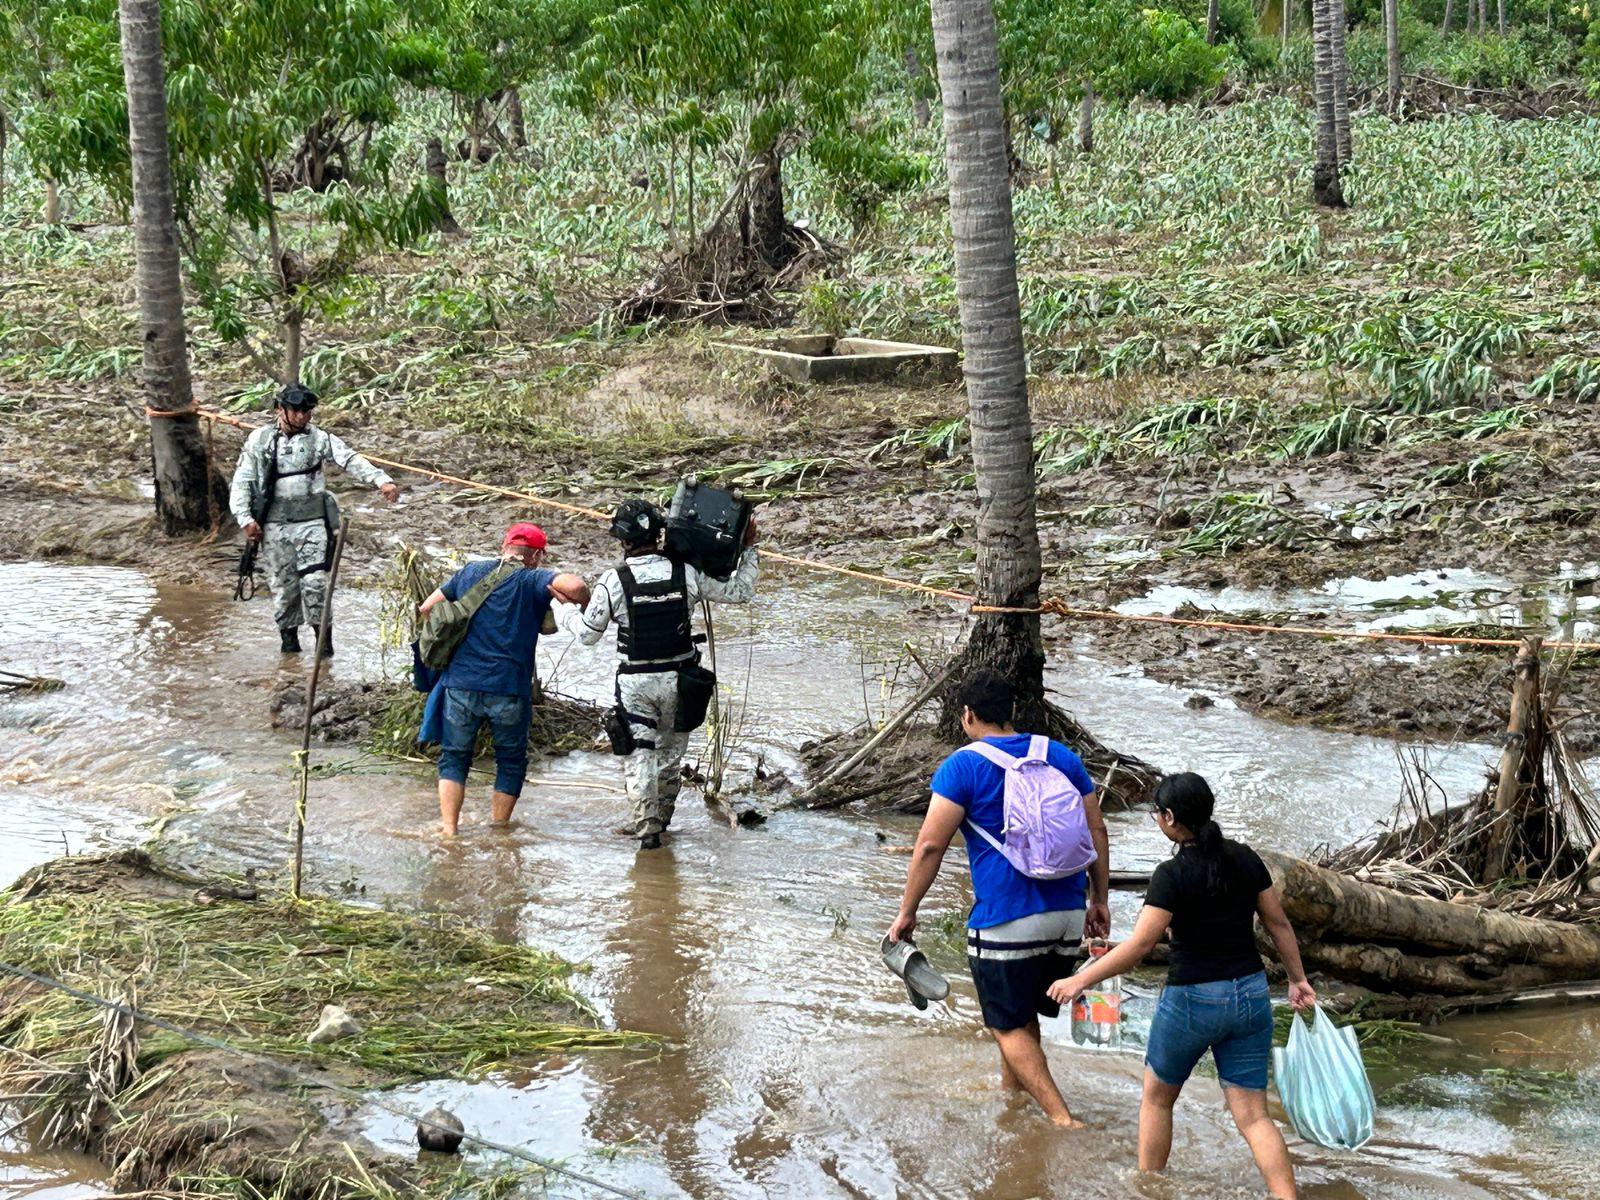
1097 1014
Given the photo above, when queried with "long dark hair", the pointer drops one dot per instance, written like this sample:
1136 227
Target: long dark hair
1188 798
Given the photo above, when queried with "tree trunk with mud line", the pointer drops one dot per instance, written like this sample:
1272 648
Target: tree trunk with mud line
920 113
769 228
965 40
439 182
1211 22
1086 120
1325 188
1391 34
177 448
514 118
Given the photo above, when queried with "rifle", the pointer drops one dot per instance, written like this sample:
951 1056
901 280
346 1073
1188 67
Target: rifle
244 587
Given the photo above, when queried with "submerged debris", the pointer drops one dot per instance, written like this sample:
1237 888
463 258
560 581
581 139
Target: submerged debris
245 973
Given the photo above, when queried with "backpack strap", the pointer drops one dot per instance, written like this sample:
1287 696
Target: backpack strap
993 753
1039 747
473 598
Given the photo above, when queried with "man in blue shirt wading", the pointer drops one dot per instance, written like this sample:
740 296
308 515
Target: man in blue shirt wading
1021 930
490 676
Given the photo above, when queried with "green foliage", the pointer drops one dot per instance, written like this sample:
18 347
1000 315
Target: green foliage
708 80
249 88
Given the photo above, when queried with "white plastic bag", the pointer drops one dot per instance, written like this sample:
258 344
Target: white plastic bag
1323 1083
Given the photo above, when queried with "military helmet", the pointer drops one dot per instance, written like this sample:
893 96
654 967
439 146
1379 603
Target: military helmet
295 395
637 522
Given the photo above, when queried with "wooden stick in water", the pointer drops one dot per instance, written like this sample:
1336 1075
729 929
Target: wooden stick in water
303 756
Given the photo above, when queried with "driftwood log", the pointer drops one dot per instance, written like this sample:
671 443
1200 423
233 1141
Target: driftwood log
1393 942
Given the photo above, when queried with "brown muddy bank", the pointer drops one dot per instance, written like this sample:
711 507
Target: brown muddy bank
432 997
835 485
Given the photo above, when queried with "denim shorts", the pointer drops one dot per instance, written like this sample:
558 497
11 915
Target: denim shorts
1230 1017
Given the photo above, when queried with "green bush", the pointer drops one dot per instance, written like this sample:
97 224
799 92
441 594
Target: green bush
1531 55
1589 67
1170 59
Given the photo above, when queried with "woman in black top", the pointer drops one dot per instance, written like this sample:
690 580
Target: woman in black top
1216 998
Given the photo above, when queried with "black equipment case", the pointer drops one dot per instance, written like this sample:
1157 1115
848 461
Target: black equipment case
706 527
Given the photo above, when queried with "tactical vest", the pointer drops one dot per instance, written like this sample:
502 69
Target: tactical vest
657 636
309 507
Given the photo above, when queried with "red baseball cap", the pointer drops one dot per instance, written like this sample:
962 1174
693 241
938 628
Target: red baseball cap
525 533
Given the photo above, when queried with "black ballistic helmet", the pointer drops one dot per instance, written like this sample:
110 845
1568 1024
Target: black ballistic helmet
295 395
637 523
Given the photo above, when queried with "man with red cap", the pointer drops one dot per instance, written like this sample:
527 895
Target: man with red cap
490 676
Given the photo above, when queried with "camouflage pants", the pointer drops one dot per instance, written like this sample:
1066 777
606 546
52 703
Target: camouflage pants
653 771
297 571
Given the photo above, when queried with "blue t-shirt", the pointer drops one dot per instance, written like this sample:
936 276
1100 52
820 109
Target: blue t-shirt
977 785
497 653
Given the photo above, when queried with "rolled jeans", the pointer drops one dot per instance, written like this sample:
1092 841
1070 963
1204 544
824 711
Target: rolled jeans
465 711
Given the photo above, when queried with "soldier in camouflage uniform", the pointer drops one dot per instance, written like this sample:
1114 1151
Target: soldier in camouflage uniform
280 499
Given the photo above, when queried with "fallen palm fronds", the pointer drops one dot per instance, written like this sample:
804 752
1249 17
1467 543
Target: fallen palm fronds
432 996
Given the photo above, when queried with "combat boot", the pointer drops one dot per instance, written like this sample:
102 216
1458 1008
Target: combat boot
327 646
290 636
650 841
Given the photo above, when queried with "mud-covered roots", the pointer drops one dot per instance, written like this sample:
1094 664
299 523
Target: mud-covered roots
894 778
1528 843
724 278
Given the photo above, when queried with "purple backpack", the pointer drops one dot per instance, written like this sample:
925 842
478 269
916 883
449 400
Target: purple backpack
1046 832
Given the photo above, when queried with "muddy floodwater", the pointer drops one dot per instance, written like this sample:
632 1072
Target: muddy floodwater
793 1065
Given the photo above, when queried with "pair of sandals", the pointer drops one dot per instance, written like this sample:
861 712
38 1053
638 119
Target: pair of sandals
923 983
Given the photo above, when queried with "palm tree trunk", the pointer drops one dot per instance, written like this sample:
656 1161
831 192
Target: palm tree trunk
1008 567
1391 33
1325 189
1211 23
177 449
1086 119
1338 26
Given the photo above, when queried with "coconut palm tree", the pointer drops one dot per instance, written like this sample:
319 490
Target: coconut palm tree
1008 568
1338 25
177 450
1391 33
1325 189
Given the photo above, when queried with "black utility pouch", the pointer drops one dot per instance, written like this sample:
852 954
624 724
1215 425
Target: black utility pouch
696 687
619 730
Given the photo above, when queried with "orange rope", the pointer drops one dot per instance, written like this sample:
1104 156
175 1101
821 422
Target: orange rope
1051 607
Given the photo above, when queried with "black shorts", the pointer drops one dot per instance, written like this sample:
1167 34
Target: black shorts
1014 964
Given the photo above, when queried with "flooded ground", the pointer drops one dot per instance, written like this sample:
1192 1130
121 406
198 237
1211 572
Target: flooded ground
792 1066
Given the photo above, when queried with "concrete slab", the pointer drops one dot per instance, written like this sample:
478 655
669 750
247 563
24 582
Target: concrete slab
822 358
